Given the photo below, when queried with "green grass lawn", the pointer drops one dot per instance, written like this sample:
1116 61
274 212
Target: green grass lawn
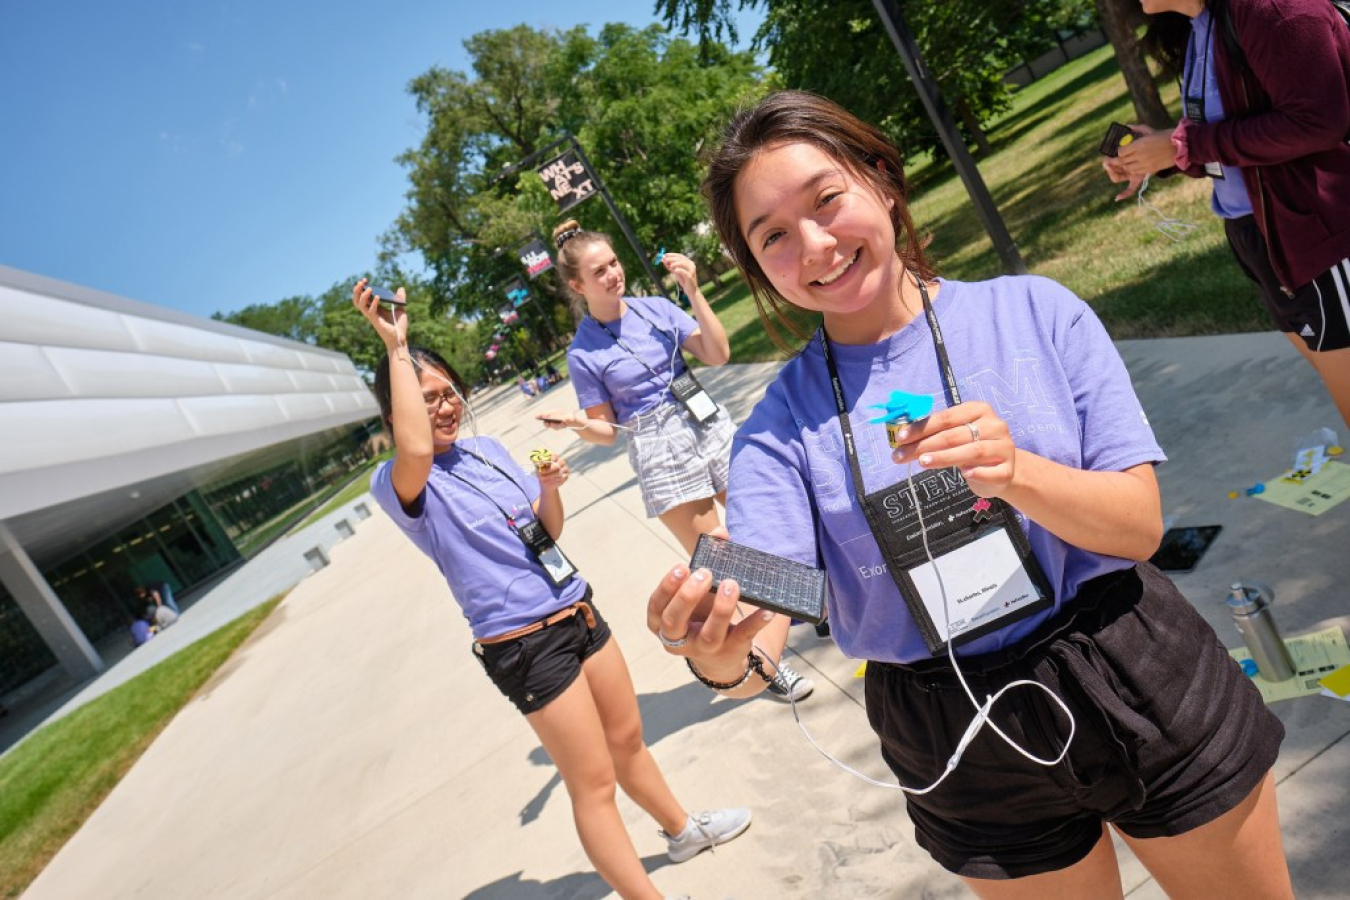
55 779
359 484
1046 179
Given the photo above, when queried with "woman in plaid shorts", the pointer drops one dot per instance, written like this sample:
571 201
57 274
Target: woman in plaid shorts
624 360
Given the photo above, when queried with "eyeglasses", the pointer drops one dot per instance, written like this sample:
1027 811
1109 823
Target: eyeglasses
434 401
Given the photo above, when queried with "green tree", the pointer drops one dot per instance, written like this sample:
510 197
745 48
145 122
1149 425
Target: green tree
1121 20
639 102
330 321
841 50
343 329
293 317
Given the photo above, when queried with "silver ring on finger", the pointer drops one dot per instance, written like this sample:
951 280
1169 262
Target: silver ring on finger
671 644
974 431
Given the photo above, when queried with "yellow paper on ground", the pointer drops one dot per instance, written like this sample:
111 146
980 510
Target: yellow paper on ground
1338 682
1313 495
1315 655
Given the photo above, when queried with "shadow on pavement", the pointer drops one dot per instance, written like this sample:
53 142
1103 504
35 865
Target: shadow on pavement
663 714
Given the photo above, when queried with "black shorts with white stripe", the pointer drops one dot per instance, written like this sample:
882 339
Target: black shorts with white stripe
1318 312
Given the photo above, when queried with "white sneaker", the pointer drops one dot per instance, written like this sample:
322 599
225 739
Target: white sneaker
788 685
704 830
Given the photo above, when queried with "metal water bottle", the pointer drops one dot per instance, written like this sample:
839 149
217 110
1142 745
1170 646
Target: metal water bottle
1249 605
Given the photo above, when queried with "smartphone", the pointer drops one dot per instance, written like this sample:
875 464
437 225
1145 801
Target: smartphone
384 295
1117 136
551 421
767 581
1182 548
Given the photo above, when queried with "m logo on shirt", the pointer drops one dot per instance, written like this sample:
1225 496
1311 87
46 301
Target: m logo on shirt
1023 394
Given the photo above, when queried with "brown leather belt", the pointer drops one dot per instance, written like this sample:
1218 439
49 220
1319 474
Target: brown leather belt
562 615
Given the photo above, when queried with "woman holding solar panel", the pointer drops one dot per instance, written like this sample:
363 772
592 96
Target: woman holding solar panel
491 529
970 466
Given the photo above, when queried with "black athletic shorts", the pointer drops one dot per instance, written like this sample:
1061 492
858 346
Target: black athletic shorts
1319 311
1170 734
533 670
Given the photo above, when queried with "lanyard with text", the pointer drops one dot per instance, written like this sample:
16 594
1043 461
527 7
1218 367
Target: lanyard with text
989 576
683 387
545 550
1195 102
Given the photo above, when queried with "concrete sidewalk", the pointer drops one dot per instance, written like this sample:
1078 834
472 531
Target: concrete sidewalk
353 747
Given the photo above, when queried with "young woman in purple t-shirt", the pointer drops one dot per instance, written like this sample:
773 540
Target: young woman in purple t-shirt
623 358
538 636
624 361
1266 115
1130 715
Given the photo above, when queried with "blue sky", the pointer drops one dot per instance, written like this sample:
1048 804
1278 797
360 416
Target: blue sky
209 155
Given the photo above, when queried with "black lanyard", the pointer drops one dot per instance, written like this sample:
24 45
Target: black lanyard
967 517
948 377
510 519
1196 113
629 350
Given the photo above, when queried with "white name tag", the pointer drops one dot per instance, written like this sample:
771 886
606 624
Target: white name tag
985 583
558 567
701 406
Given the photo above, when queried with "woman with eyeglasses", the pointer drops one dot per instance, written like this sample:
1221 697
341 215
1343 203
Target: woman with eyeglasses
490 527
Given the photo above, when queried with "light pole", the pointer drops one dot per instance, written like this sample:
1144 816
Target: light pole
889 11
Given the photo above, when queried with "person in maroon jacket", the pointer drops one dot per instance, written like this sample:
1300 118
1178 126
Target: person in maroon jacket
1265 89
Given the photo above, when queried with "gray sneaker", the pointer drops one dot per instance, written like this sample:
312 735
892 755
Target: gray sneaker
787 685
704 830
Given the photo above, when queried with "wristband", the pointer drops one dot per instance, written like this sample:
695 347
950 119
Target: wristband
753 663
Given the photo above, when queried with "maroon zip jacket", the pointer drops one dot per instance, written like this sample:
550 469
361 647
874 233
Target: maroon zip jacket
1287 118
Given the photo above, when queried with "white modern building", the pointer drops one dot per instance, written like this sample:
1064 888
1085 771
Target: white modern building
139 444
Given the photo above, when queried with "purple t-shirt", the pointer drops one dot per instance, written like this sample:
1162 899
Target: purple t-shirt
1026 346
140 632
604 372
493 576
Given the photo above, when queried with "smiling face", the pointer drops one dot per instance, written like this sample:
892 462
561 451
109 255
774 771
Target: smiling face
600 276
823 237
444 408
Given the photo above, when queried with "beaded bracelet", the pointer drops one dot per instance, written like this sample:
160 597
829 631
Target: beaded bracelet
753 663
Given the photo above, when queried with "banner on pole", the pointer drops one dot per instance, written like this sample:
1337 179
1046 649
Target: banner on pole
567 180
516 292
533 256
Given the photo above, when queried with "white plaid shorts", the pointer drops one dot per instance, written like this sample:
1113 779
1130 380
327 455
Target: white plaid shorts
678 460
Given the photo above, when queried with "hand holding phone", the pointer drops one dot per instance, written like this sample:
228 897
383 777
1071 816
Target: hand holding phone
384 295
1117 136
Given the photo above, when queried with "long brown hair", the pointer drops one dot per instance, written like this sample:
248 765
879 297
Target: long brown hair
799 117
1165 39
571 240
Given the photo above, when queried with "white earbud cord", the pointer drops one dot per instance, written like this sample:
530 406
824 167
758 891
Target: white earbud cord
1172 228
982 711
